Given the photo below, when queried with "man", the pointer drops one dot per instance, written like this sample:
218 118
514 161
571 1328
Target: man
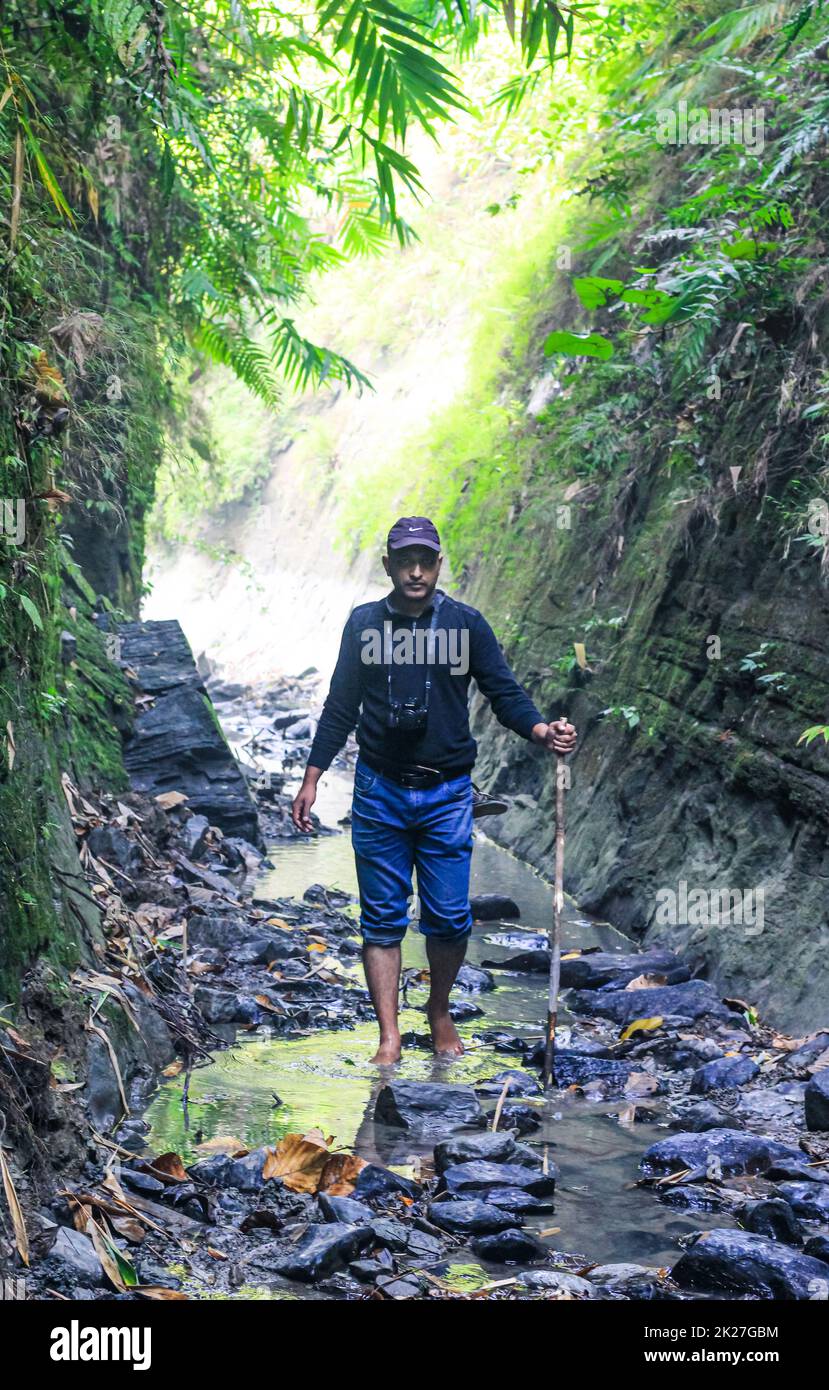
403 670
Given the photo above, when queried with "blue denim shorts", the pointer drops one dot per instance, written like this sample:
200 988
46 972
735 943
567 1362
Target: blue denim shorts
395 830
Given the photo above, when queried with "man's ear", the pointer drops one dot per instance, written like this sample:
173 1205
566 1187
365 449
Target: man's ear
386 564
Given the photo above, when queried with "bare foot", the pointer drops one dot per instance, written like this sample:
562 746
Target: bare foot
445 1038
388 1051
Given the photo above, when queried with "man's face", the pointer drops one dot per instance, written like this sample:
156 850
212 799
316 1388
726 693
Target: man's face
413 571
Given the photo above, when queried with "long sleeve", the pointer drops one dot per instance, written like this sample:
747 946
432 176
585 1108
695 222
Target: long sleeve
342 705
510 702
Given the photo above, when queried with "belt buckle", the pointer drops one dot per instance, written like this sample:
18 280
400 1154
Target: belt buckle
412 781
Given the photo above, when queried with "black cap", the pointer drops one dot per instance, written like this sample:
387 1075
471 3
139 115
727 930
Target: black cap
413 530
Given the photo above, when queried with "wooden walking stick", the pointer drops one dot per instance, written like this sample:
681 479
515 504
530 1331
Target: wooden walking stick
555 929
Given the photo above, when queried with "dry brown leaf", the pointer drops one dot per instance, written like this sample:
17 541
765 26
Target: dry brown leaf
168 1165
129 1228
340 1174
299 1160
647 982
21 1236
223 1144
215 1254
641 1083
104 1253
167 800
173 1069
627 1116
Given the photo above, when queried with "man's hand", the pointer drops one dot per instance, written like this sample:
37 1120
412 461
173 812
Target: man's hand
559 737
304 800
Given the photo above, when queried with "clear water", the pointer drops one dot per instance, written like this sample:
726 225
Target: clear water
327 1080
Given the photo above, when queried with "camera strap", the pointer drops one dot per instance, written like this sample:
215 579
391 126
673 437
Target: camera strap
430 647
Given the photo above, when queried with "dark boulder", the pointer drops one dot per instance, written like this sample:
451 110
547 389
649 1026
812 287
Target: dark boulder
471 1217
816 1101
580 1068
774 1218
177 743
728 1151
344 1210
510 1246
723 1073
818 1248
373 1181
692 1000
493 907
479 1175
808 1053
499 1147
521 1083
741 1262
517 1200
524 1119
424 1107
706 1115
809 1200
321 1250
474 980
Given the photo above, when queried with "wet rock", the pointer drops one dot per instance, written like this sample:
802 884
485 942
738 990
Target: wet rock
423 1247
369 1271
374 1181
479 1175
320 1251
521 1083
693 1000
510 1246
74 1255
520 1117
816 1101
474 980
499 1147
741 1262
141 1182
517 1200
390 1234
471 1217
177 744
818 1248
327 897
246 1173
706 1115
462 1009
555 1281
193 836
810 1200
579 1069
109 843
723 1073
401 1288
536 961
774 1218
790 1171
804 1056
765 1105
345 1210
227 1006
493 907
263 950
425 1107
728 1150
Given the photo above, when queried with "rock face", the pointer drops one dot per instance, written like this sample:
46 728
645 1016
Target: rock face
598 968
428 1108
741 1262
176 743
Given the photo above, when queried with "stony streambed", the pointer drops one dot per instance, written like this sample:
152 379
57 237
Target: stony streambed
580 1152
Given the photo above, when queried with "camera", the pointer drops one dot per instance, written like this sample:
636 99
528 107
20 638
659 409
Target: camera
409 716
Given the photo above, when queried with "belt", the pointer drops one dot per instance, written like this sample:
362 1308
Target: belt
414 776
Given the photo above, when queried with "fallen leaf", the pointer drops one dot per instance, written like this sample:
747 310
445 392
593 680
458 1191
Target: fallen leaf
641 1025
173 1069
21 1237
299 1160
167 1167
119 1270
340 1174
167 800
627 1116
223 1144
647 982
641 1083
129 1228
150 1291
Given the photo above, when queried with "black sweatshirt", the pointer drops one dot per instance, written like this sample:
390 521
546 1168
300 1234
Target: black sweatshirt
380 645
